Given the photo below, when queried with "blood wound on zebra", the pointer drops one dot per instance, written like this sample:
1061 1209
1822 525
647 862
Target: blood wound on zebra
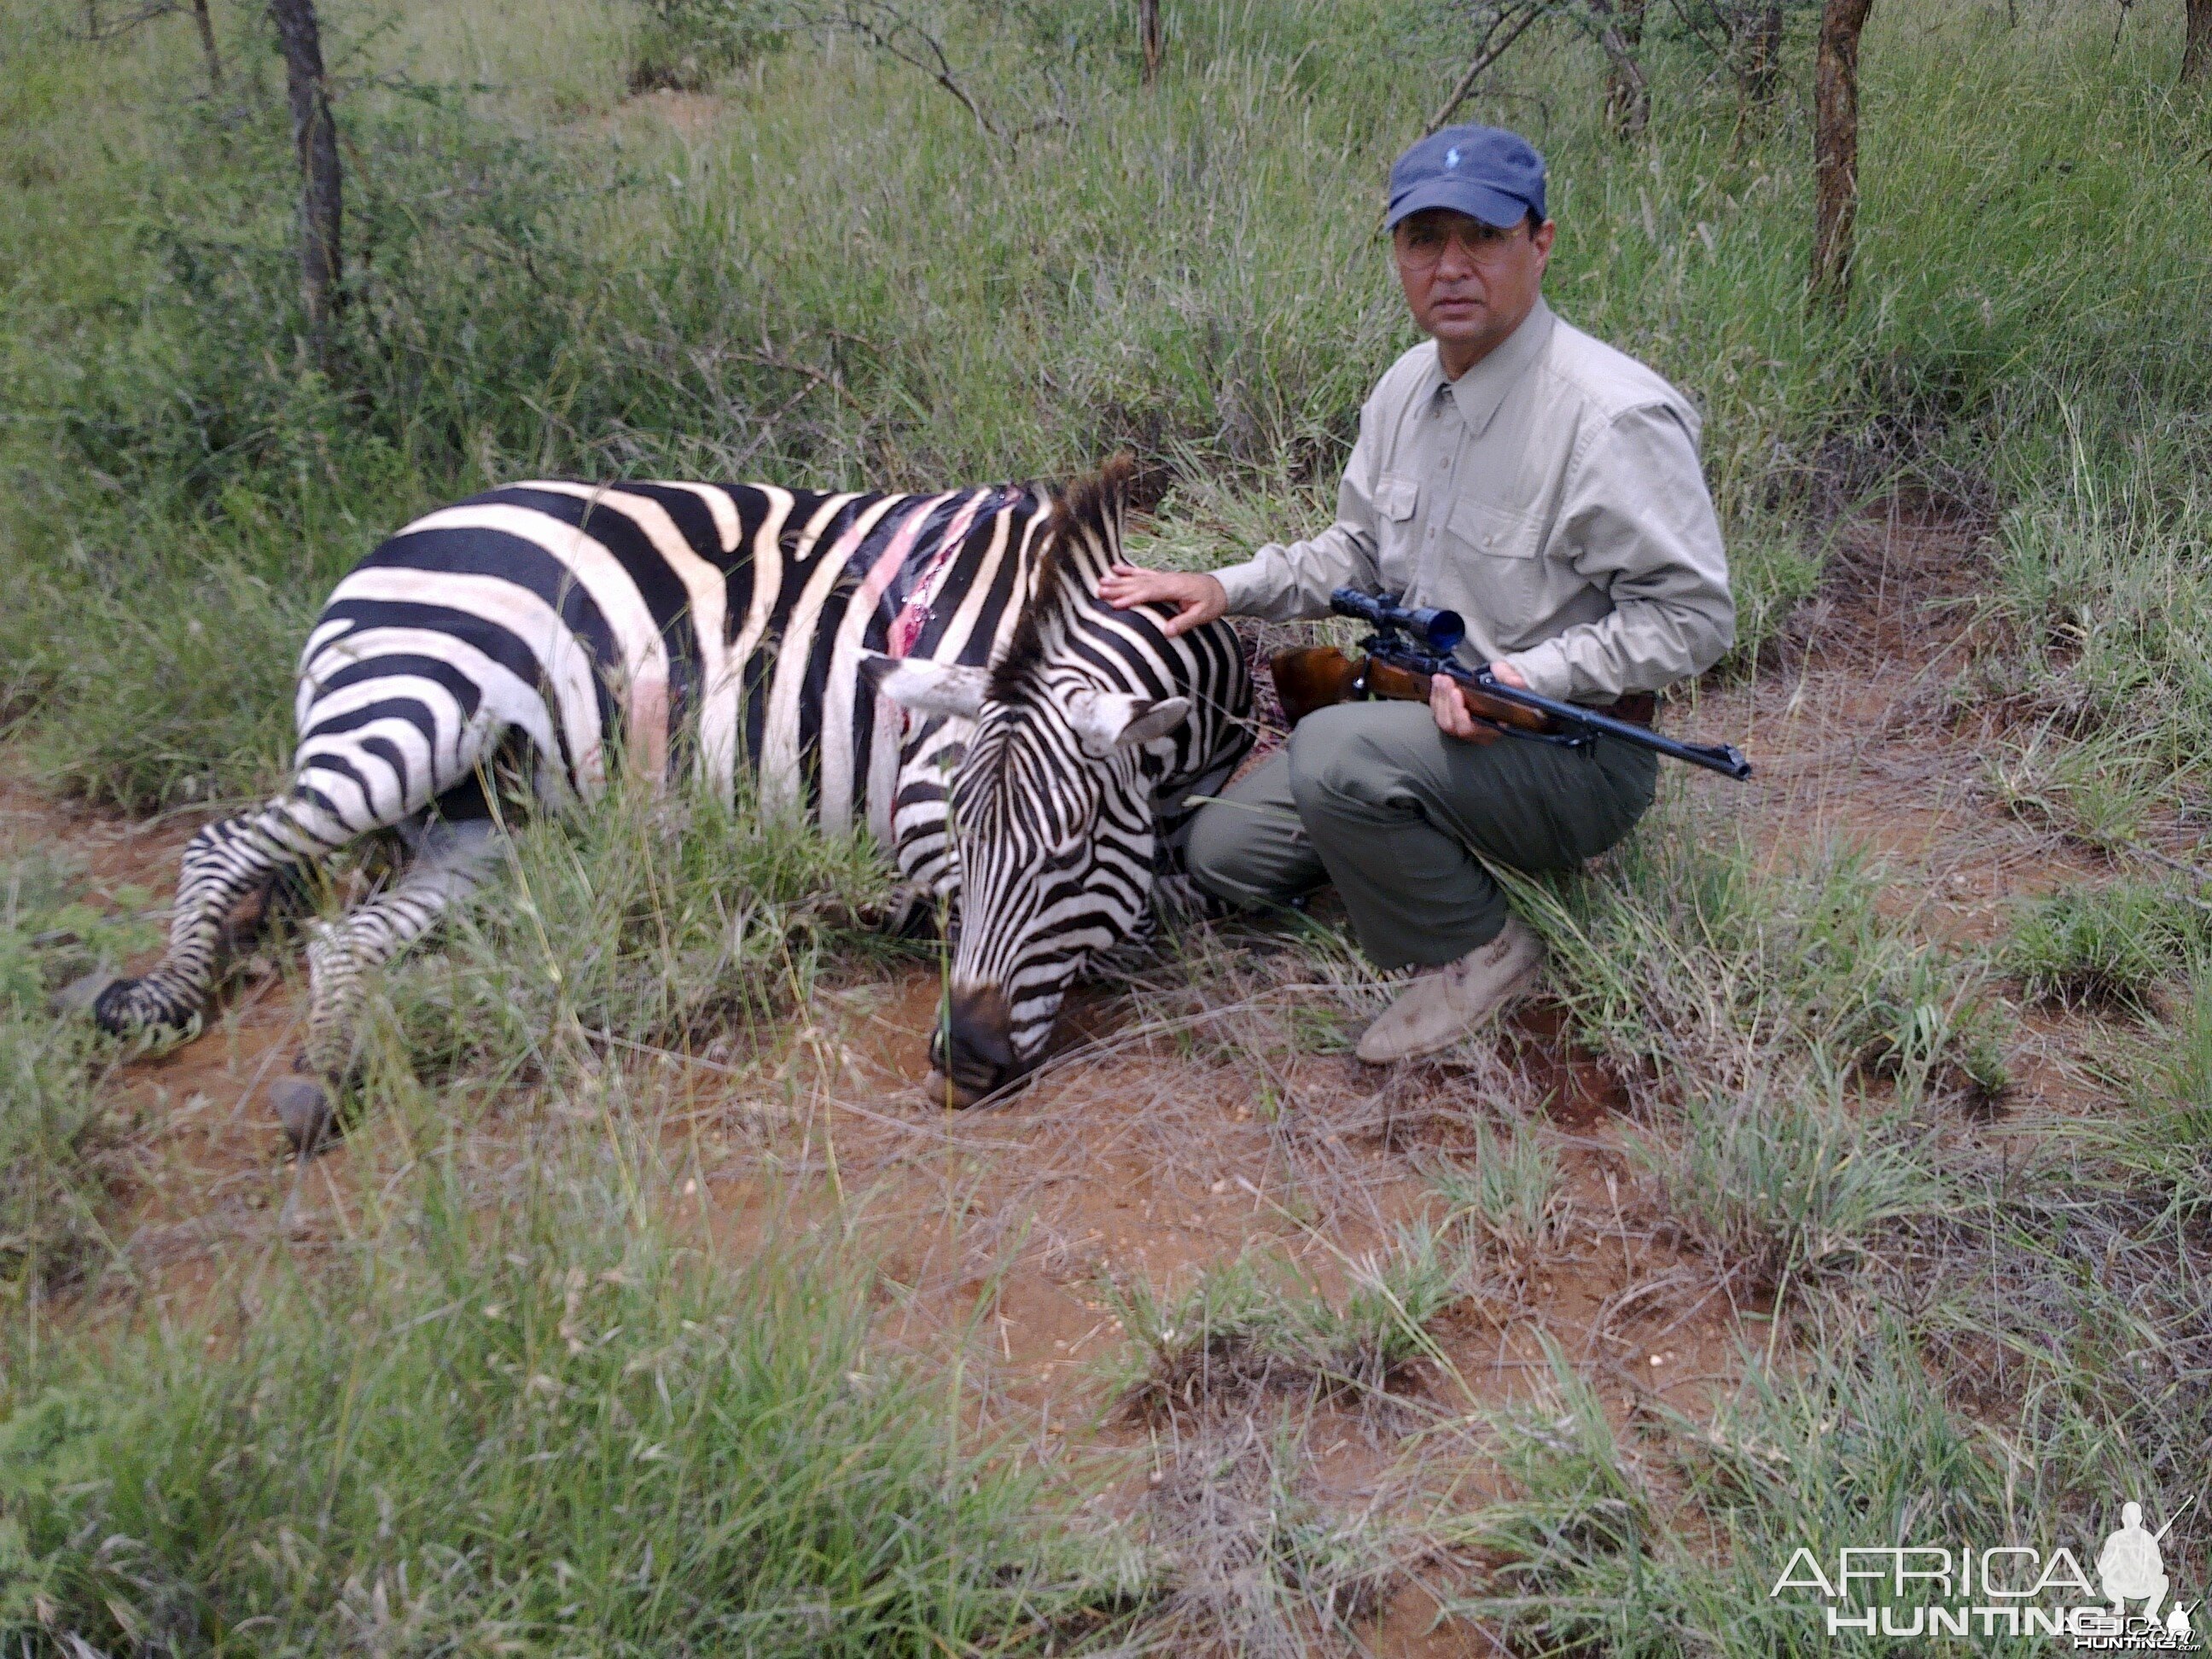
569 622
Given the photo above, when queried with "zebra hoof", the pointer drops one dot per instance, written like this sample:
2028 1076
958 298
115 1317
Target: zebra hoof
87 994
303 1107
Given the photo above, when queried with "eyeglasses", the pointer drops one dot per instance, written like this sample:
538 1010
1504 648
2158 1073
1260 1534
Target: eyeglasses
1421 246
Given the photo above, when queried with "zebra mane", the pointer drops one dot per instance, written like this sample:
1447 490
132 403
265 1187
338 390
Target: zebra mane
1083 537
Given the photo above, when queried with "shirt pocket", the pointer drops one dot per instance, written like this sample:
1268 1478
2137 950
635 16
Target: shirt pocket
1497 566
1396 496
1498 532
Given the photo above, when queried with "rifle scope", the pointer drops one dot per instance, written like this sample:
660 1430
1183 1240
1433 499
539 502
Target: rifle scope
1440 630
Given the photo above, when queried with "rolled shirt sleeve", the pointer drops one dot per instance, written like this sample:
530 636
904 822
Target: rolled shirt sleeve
1285 582
1638 524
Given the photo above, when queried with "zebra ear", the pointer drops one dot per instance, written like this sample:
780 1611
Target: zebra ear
924 687
1107 721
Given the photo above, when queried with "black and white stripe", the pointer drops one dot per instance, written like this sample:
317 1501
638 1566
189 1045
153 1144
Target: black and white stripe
657 626
1078 754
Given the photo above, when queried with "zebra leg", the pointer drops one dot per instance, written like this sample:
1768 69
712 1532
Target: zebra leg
907 911
453 860
222 864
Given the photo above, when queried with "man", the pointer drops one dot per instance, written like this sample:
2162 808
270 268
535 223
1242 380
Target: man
1545 486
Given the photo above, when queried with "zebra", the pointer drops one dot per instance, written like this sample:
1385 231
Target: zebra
1085 748
742 631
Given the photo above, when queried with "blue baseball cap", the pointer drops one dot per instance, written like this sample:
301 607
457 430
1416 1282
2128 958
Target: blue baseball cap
1485 173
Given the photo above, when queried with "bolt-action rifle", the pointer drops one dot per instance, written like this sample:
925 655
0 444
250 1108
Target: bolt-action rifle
1411 647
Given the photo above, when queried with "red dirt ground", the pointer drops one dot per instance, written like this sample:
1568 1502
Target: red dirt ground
1136 1159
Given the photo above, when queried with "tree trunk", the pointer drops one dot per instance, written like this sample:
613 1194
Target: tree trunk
1835 150
1149 37
1762 54
2197 42
205 25
1627 94
314 136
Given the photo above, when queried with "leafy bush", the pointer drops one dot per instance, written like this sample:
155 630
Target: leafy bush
683 45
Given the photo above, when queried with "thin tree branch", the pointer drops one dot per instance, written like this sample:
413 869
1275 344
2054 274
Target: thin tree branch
1484 58
883 25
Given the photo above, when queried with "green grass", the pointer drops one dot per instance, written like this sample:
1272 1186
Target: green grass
1693 970
662 921
1257 1327
536 1425
2112 946
2099 667
55 1131
842 278
2182 1075
1782 1184
1509 1188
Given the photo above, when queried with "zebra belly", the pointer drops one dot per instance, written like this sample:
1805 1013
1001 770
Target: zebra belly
393 709
595 622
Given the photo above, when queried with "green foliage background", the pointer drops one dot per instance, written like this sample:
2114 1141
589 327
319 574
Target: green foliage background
828 271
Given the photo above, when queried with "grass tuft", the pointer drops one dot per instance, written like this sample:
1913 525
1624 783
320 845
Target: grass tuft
672 921
1251 1330
1781 1188
1509 1189
1692 969
2108 946
57 1131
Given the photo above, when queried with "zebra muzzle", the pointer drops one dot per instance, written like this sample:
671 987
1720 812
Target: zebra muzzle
972 1051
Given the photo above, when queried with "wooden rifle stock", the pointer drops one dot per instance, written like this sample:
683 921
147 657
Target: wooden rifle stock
1310 676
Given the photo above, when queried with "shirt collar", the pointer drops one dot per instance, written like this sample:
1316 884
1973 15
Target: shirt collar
1478 392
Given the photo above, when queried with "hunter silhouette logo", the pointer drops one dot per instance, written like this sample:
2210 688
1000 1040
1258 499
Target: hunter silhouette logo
2131 1567
2012 1589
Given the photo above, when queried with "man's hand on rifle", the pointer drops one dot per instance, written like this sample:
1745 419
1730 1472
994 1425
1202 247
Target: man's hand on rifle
1198 598
1448 702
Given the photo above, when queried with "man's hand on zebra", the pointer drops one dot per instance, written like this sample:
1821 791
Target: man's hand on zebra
1198 598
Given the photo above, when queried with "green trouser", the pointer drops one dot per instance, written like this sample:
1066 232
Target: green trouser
1372 797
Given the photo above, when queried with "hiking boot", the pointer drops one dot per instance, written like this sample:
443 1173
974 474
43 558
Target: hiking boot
1444 1004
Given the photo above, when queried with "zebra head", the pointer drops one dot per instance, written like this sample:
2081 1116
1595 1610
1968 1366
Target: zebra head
1054 802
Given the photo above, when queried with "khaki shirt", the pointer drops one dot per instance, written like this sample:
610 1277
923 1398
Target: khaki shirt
1550 495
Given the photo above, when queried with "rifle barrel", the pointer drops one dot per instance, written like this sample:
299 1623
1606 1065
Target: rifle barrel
1721 757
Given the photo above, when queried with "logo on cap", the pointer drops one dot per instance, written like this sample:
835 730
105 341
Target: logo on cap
1451 158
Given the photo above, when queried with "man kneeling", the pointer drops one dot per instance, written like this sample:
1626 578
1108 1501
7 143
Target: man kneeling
1546 488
